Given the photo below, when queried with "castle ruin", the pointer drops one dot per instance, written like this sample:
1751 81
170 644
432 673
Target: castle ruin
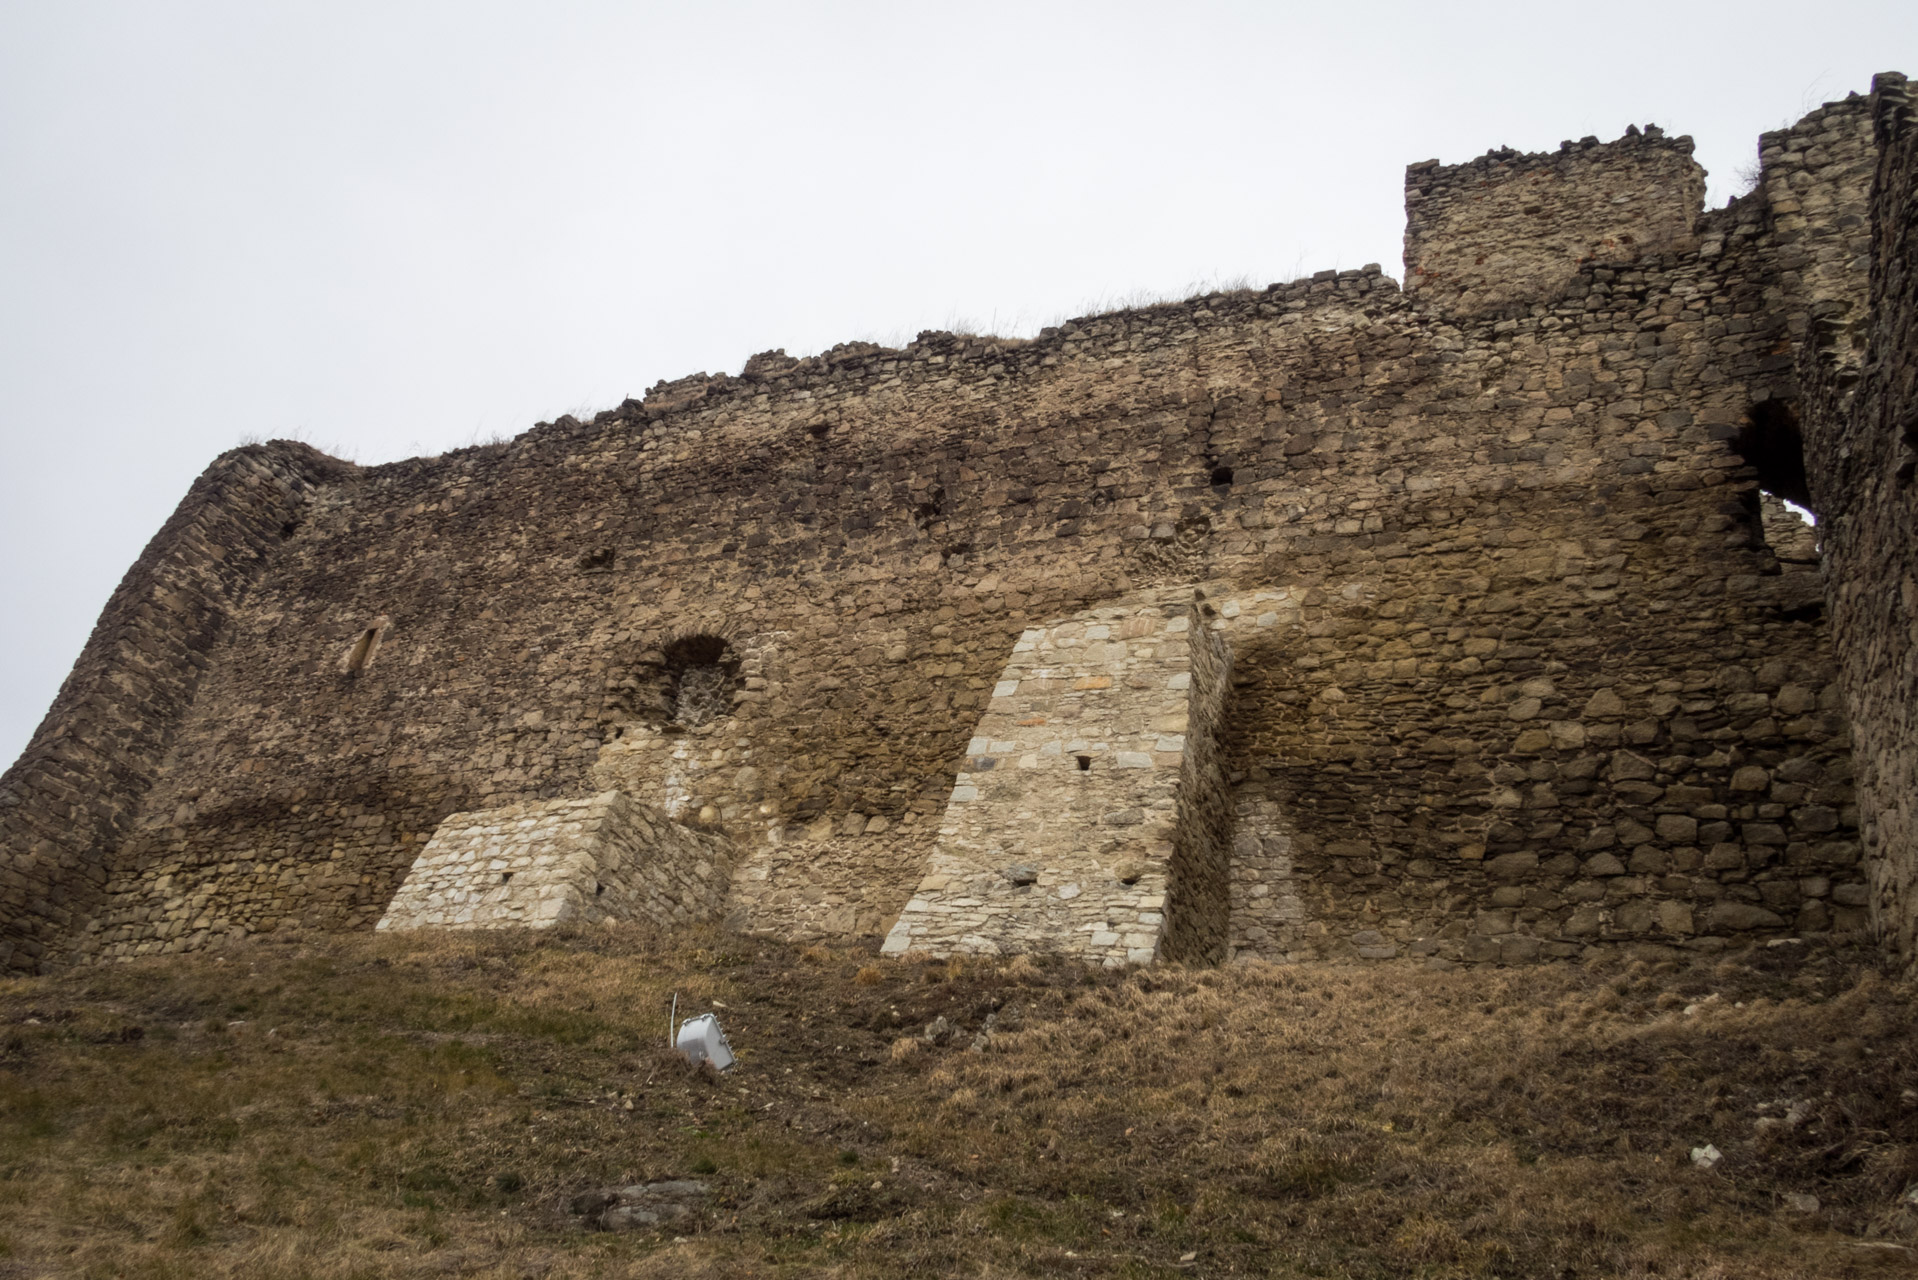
1463 619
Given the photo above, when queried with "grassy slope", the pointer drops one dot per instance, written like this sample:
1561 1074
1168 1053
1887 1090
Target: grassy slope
403 1106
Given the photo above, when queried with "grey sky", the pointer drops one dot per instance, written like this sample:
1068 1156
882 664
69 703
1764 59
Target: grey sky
391 228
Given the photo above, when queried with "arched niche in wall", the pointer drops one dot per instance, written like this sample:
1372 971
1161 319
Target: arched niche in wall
682 685
701 672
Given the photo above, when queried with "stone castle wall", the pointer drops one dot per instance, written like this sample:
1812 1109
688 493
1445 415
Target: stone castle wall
1508 230
1862 442
1514 668
68 804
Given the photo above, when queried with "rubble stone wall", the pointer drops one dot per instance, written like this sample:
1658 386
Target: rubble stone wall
1508 229
1862 445
1521 730
1814 191
585 860
70 801
1198 904
1517 668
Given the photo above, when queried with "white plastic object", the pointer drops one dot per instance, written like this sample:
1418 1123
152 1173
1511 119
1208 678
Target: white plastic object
701 1040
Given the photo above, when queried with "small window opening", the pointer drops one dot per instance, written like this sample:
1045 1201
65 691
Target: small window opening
1221 476
365 647
1085 764
599 890
699 672
506 877
356 657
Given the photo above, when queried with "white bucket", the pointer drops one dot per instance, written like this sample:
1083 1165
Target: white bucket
701 1040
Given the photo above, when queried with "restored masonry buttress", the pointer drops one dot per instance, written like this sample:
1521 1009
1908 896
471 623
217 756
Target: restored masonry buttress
1332 620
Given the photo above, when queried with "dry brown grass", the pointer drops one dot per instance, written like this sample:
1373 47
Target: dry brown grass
380 1106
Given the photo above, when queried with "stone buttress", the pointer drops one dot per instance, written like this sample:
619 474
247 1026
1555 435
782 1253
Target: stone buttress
1089 815
597 858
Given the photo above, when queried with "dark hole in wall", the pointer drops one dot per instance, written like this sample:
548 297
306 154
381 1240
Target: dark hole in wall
1771 442
1085 763
699 673
932 509
1221 476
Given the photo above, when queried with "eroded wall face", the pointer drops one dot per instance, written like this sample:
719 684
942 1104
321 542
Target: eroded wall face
1862 442
1515 730
1508 230
69 803
1516 620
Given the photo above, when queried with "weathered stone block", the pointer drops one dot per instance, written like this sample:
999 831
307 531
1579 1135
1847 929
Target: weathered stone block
600 857
1740 916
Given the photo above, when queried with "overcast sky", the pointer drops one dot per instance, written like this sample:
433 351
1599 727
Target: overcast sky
390 229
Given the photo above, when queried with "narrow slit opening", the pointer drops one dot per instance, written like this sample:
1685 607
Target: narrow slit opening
362 650
1085 763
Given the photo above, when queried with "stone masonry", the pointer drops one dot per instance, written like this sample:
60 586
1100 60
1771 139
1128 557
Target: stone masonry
1519 653
1064 824
1508 230
594 859
1861 370
70 802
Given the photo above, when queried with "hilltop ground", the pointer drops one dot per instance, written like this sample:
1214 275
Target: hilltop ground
454 1105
